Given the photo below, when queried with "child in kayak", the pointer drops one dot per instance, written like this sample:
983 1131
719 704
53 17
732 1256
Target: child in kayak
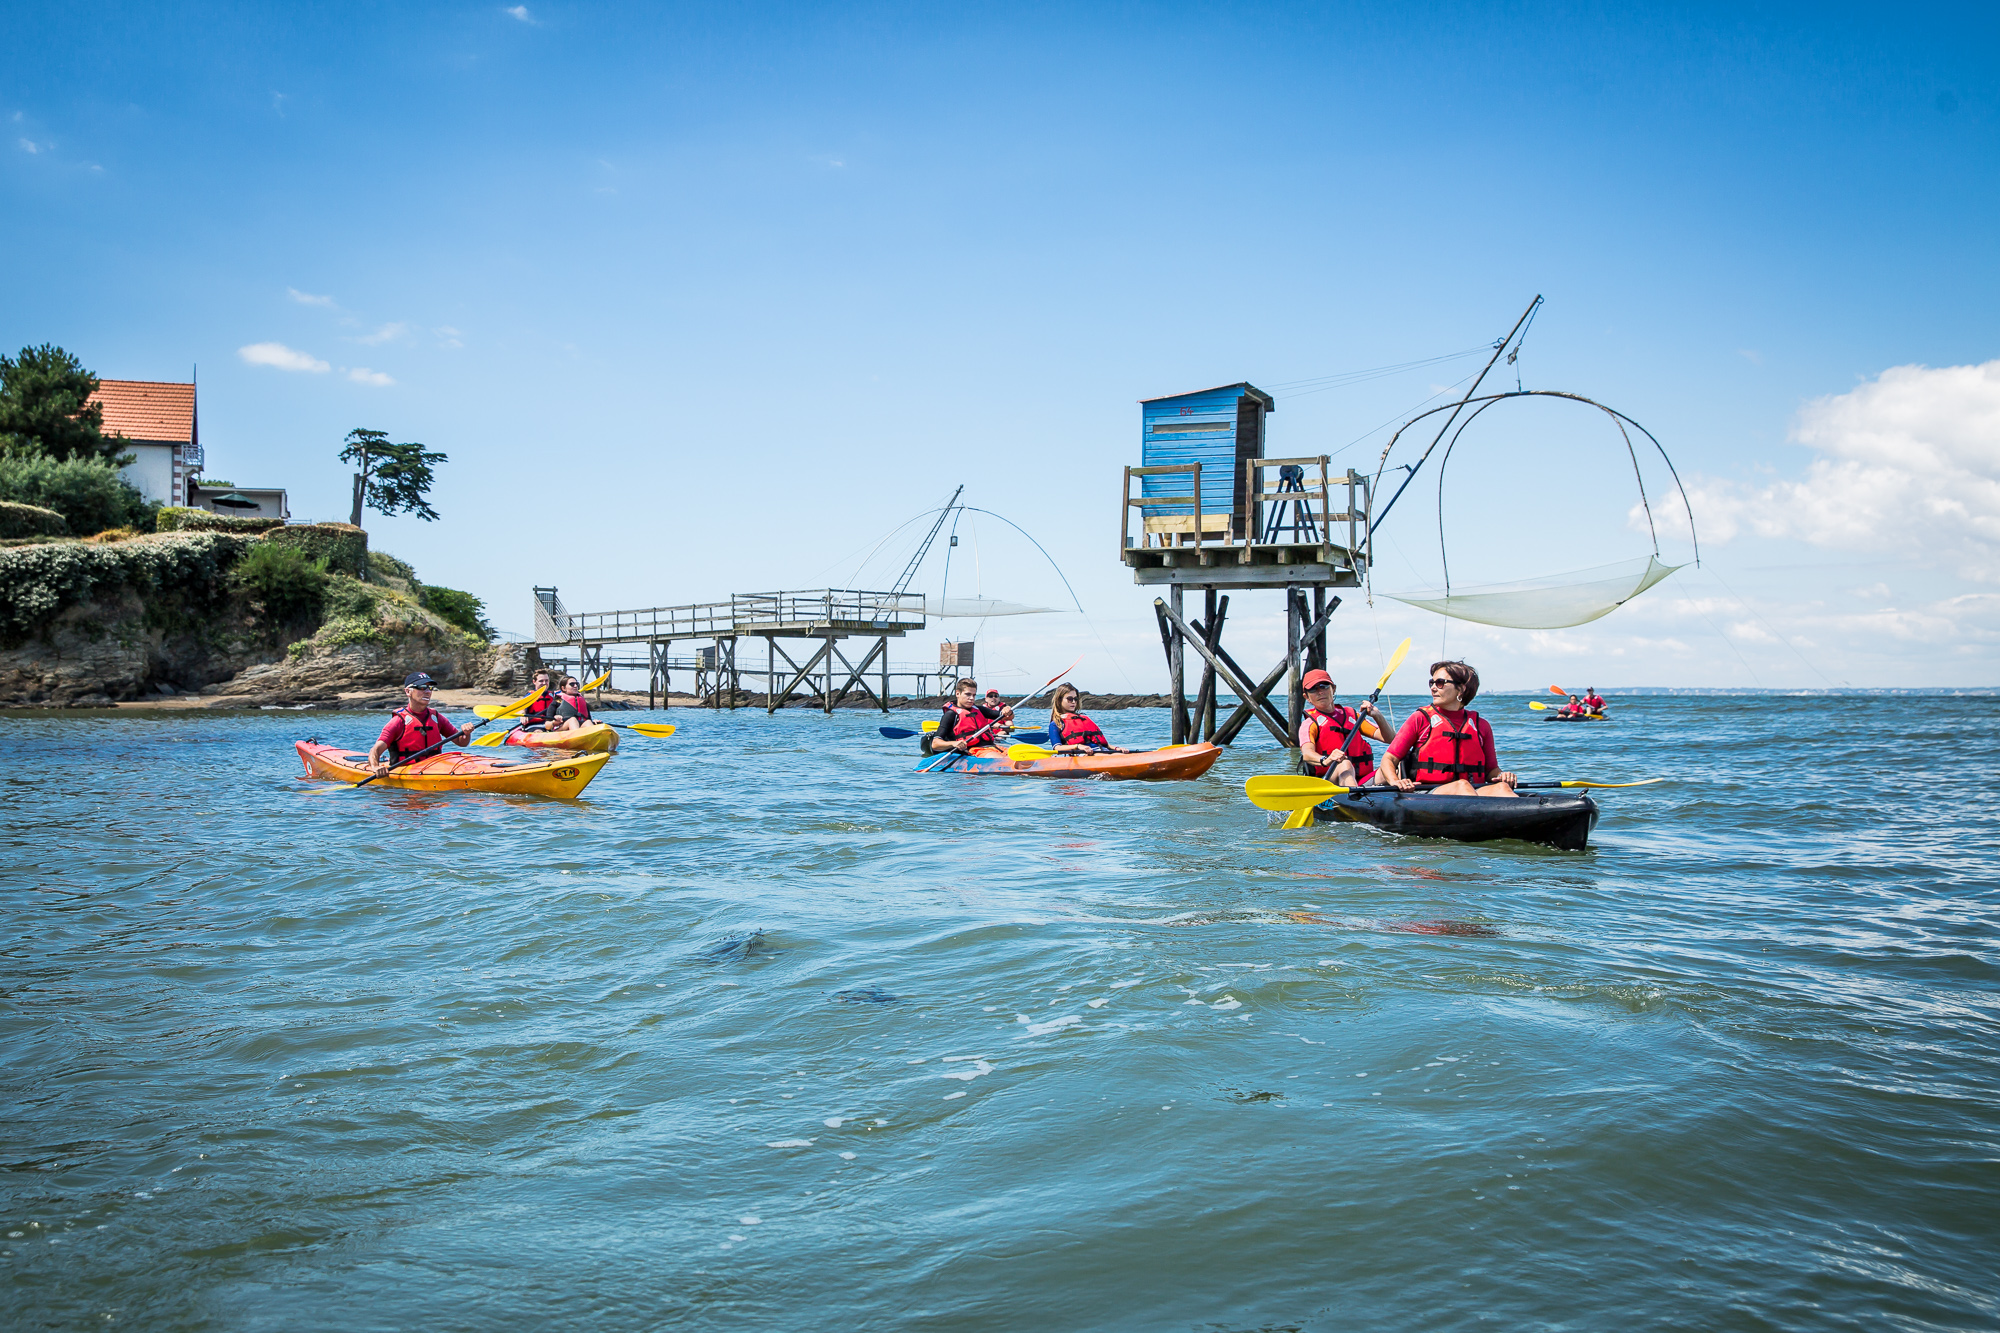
1326 724
1446 745
415 727
965 723
1070 731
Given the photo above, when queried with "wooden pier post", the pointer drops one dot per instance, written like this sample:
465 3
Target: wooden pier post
1294 704
1176 670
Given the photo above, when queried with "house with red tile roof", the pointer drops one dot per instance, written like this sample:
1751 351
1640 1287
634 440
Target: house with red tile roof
157 419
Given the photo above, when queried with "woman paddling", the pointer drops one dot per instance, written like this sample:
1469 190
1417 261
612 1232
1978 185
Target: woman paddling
1070 731
1446 743
1326 724
572 709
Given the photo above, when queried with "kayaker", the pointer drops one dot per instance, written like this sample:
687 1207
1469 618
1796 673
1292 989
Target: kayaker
572 709
994 705
1446 743
1323 727
415 727
1070 731
1594 701
538 715
964 724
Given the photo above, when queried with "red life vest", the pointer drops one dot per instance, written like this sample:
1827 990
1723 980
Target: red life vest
1328 731
541 710
417 736
1594 702
580 704
1443 754
1076 729
967 722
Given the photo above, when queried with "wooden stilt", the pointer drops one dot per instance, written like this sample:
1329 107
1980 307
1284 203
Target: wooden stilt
1204 697
1294 702
1257 702
1214 641
1177 660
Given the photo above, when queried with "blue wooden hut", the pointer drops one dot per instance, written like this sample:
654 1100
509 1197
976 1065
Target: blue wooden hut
1220 429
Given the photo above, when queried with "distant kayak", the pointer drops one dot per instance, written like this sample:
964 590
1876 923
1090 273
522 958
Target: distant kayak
1562 821
564 775
1576 717
592 737
1174 763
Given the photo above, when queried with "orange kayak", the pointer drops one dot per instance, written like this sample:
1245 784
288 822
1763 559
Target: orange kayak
1175 763
564 775
592 737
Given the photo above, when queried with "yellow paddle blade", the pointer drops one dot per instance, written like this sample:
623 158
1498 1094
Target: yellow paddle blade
1020 752
489 711
1538 705
1286 791
593 684
491 738
492 711
1299 818
1395 660
651 728
931 725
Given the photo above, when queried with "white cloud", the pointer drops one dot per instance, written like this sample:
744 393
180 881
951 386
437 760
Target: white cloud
520 12
1908 465
387 333
447 336
30 146
307 298
363 375
282 358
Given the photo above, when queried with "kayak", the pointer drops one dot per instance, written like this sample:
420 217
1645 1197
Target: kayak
1560 820
1175 763
1576 717
593 737
563 775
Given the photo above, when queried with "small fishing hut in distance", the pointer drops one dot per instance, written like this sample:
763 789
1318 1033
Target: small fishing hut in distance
1215 514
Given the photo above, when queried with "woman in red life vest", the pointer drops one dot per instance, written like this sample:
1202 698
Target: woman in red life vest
572 709
964 724
1447 746
413 728
1070 732
1326 724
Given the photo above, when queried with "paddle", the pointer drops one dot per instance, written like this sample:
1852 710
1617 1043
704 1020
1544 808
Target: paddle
956 754
1538 705
904 733
1287 791
500 737
1360 714
429 750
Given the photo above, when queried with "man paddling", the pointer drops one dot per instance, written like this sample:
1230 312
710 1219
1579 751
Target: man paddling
965 722
1594 701
542 712
1326 724
415 727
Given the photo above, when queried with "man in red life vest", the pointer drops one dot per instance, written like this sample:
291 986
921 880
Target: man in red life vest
542 712
413 728
996 707
1326 724
1593 700
1447 746
964 725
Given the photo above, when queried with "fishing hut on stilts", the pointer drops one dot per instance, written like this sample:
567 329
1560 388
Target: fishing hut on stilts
1218 517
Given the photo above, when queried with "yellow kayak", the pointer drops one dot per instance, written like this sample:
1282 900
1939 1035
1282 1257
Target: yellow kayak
591 738
562 775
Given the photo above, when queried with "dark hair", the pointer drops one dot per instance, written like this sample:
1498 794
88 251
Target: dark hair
1462 675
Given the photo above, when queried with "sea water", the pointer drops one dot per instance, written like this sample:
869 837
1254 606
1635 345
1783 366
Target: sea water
770 1032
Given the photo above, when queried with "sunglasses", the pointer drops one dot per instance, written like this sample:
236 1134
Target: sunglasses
1441 682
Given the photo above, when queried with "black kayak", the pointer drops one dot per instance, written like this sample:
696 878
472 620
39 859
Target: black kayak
1576 717
1561 820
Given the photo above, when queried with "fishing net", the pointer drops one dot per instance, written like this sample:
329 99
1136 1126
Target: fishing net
1553 602
978 608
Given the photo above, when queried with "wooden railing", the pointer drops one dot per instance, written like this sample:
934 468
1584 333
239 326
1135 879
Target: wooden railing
1314 494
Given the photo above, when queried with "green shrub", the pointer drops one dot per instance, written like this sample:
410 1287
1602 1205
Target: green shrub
19 520
87 492
186 572
461 610
389 572
290 584
184 518
342 546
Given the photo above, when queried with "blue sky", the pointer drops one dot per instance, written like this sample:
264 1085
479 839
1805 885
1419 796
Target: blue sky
705 300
